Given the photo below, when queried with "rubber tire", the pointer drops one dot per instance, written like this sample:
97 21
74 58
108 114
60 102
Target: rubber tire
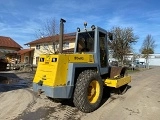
80 98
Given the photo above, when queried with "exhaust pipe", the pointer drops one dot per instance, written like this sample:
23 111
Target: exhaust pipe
62 21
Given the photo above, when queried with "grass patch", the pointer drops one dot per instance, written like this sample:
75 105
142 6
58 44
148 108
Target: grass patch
133 71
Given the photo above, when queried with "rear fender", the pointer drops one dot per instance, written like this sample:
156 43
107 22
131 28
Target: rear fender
117 71
74 70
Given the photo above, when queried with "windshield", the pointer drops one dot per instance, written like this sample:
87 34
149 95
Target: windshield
85 42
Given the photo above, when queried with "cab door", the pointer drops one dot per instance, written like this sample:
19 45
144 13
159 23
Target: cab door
103 51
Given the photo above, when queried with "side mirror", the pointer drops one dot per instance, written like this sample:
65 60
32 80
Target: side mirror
110 35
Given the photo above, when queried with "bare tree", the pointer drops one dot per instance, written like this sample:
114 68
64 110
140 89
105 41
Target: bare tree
123 38
49 28
148 47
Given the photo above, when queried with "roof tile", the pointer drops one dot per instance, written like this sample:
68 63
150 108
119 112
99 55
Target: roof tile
53 38
23 51
8 42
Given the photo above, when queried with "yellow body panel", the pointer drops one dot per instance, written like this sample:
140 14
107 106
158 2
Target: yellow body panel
116 83
85 58
53 69
52 73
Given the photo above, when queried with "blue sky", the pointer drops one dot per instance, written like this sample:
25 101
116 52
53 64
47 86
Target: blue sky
20 19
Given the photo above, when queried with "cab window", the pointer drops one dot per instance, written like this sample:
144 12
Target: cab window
85 42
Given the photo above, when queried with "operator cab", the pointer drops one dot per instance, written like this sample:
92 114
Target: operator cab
94 41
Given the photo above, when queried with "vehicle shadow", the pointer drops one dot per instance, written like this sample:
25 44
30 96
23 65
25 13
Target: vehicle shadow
108 93
10 81
106 96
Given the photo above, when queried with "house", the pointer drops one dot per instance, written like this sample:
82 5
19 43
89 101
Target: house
49 45
8 46
8 51
26 55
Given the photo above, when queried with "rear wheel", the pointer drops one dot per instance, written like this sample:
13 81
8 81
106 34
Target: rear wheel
88 91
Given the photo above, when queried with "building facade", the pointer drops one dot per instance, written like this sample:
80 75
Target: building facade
50 45
154 59
26 56
8 47
8 51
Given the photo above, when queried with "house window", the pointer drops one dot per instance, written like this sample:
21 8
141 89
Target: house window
66 44
45 46
37 46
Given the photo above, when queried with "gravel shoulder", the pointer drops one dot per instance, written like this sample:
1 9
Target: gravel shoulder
141 101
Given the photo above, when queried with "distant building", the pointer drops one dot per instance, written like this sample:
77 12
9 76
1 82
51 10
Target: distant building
26 55
49 45
154 59
8 47
8 51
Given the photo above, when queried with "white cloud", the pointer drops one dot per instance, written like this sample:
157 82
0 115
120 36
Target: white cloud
20 19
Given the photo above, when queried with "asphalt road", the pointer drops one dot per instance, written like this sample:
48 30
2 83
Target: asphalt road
140 102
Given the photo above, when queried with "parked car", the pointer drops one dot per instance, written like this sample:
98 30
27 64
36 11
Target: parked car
141 65
136 65
133 66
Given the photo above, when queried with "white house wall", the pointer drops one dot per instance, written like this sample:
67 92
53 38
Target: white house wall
50 50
